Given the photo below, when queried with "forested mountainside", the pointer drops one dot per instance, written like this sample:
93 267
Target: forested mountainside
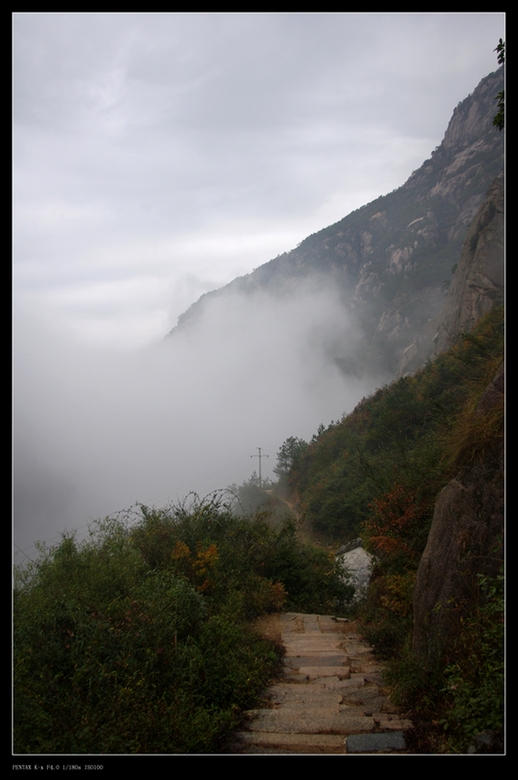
401 429
417 470
138 639
393 259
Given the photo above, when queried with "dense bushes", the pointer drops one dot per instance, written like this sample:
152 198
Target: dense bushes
473 691
137 640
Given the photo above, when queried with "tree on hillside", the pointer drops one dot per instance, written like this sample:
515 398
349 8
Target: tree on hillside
499 118
288 455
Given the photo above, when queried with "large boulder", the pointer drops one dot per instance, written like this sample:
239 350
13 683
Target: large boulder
465 540
357 565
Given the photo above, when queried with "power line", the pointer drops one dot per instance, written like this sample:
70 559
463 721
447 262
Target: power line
259 455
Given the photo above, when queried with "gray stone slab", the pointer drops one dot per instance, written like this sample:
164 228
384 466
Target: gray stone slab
373 743
305 743
373 677
316 672
295 678
318 638
388 721
313 649
284 694
308 707
311 636
365 695
315 660
311 721
335 683
326 622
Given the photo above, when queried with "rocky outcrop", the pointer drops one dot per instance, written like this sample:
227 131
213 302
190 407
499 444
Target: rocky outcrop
357 565
465 540
390 259
478 283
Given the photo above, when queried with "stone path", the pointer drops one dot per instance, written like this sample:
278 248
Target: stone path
330 699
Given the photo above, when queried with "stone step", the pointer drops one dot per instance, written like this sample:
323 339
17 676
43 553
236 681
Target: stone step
331 698
291 743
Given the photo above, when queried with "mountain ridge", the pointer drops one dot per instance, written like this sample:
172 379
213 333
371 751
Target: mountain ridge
392 258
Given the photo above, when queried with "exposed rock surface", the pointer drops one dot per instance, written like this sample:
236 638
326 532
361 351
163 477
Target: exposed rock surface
465 539
357 564
391 258
478 283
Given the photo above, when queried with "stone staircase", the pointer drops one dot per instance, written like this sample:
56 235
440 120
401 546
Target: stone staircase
330 698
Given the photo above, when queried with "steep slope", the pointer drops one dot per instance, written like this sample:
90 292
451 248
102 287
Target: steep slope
391 448
392 258
478 283
467 530
417 470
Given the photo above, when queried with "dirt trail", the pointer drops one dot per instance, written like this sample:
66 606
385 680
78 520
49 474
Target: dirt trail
305 531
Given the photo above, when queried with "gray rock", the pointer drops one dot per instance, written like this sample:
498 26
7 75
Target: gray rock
465 540
373 743
357 565
478 283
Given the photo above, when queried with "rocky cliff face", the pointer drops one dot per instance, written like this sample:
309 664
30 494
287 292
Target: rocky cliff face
478 283
391 259
466 536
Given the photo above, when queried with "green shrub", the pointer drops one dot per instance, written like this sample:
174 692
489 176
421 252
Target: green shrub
474 678
136 640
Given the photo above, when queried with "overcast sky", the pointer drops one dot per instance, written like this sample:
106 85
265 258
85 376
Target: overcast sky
158 156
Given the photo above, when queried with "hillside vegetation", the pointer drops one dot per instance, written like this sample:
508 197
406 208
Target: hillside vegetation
403 435
378 473
138 640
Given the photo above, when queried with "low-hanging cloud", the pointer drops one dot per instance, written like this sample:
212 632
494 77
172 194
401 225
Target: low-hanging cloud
97 431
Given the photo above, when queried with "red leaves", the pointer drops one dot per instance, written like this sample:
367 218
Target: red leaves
393 516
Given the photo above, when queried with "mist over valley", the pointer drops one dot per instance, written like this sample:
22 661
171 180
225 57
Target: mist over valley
135 194
98 431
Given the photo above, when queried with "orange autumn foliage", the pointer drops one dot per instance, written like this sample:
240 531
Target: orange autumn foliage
196 567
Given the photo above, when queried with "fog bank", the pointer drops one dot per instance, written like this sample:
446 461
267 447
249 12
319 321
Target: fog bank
97 431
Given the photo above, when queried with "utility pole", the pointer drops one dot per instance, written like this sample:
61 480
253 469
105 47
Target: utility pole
260 455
